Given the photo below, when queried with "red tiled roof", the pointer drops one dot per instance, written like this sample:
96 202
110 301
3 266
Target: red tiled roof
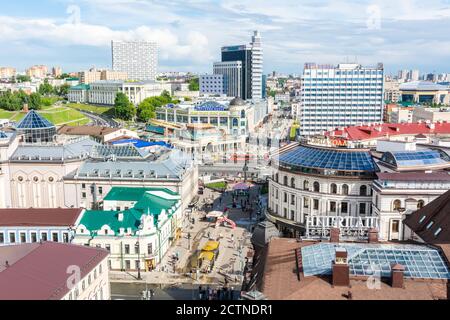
41 274
389 129
414 176
39 217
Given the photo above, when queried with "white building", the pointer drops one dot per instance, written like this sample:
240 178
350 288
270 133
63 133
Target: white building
137 226
257 66
346 95
138 59
232 77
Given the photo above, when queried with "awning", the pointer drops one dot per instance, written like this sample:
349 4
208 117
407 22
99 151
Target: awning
206 255
214 214
211 246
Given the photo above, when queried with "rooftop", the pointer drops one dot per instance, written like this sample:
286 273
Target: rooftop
416 160
422 86
39 271
328 158
94 131
34 120
438 176
279 282
386 130
39 217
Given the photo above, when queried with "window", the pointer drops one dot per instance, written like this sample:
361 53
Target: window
44 236
333 188
421 219
293 182
285 212
100 269
127 249
109 265
285 197
136 248
89 280
65 237
276 194
33 237
108 247
430 224
95 273
363 191
438 231
316 187
276 177
332 206
316 204
395 226
2 237
83 285
420 204
83 195
285 180
117 208
362 208
292 215
55 236
127 265
23 237
305 202
292 199
12 237
83 186
306 185
344 207
150 248
100 190
397 205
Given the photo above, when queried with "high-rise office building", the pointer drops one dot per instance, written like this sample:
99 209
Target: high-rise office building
251 58
346 95
232 77
139 59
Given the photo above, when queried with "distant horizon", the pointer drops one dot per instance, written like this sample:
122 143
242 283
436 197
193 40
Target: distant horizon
77 35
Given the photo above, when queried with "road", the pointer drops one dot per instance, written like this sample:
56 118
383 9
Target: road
99 120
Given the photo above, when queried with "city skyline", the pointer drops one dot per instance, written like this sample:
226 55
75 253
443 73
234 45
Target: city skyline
77 34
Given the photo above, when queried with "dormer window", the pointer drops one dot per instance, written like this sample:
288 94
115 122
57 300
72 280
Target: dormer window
437 232
421 219
430 224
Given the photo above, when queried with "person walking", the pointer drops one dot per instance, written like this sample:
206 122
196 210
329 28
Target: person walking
200 293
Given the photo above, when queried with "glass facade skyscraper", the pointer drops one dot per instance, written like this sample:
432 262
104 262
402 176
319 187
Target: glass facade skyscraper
341 96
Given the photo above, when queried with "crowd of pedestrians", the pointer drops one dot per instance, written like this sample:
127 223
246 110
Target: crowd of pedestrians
222 293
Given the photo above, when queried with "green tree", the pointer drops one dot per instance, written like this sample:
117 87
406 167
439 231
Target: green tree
63 90
35 101
46 89
22 78
194 85
124 109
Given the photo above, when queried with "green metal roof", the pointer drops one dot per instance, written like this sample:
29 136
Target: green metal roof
132 194
81 87
94 220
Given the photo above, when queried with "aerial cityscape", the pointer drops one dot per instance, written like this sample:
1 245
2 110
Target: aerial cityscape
215 154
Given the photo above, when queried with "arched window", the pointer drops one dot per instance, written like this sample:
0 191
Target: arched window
420 204
243 114
363 191
235 122
333 188
397 204
345 189
306 185
316 187
285 180
293 182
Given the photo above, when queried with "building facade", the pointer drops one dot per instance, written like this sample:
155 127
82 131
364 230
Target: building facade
138 59
231 71
212 84
346 95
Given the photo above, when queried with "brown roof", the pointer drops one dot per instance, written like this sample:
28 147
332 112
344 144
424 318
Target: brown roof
415 176
39 217
95 131
280 281
438 212
41 274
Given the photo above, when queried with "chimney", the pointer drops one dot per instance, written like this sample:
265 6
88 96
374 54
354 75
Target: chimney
334 234
341 269
373 235
397 271
25 107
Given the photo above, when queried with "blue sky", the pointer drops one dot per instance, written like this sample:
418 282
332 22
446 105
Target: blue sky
76 34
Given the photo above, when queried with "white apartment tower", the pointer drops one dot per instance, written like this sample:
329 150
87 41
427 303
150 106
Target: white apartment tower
346 95
257 66
139 59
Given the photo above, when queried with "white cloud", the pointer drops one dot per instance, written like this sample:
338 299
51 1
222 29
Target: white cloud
188 44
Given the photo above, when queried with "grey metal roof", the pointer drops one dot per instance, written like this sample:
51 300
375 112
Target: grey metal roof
422 85
171 165
125 151
78 149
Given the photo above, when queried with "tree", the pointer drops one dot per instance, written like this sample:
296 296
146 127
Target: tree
194 85
46 89
35 101
22 78
63 90
124 109
147 108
